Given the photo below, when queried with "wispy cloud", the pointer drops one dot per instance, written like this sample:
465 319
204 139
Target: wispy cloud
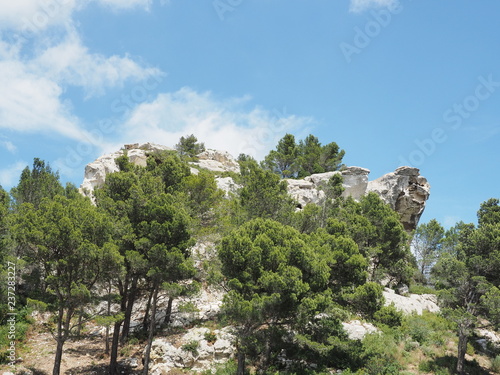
362 5
32 85
10 174
221 124
8 145
70 62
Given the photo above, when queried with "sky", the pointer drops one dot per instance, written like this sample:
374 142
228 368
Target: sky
392 82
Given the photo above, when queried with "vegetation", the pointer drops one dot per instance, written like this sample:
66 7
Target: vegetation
292 275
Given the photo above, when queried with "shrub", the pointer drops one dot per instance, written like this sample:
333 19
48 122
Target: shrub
210 336
421 289
389 316
191 347
367 299
495 364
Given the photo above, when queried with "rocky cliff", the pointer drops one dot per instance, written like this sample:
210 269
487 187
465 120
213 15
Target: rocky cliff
404 189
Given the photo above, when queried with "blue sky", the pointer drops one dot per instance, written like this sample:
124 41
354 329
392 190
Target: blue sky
409 82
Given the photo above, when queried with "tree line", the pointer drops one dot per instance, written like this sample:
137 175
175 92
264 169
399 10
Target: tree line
291 276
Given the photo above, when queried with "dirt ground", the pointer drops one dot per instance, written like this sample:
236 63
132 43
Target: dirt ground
84 356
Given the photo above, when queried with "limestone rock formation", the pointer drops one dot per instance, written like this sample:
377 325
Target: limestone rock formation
412 303
357 330
217 161
192 351
95 172
404 190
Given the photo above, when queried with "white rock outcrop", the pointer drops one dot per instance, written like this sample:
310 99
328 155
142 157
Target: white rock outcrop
413 303
217 161
404 190
357 330
202 355
96 172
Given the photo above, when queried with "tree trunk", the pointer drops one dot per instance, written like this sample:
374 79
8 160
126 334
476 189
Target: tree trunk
152 326
146 314
60 343
57 361
168 313
241 363
462 349
113 361
128 312
79 326
108 312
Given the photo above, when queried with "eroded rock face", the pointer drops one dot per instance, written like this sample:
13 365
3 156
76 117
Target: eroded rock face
404 190
96 172
166 356
217 161
413 303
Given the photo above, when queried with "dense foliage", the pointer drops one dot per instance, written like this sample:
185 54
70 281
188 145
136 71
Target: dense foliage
292 275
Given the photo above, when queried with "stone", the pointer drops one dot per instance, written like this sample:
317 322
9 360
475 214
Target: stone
217 161
96 172
357 330
165 356
404 190
227 185
414 303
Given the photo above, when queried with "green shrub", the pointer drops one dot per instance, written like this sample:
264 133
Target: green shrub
421 289
367 299
191 347
495 364
389 316
470 349
210 336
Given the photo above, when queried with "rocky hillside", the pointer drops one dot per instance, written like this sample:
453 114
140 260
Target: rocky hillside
404 189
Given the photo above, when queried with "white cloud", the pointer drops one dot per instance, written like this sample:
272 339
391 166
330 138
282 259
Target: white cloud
31 102
33 16
362 5
221 124
32 89
10 175
70 62
126 4
9 146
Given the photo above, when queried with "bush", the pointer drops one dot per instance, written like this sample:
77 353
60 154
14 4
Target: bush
191 347
421 289
389 316
367 299
210 336
495 364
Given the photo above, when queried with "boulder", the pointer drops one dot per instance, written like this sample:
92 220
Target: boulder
96 172
217 161
166 356
413 303
404 190
357 330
